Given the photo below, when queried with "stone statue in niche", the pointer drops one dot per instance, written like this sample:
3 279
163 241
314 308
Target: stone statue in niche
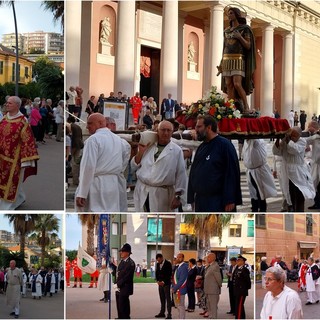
105 30
191 52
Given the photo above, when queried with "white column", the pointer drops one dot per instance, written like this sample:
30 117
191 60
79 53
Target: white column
73 38
137 67
206 63
287 75
124 69
180 56
250 98
215 43
169 50
266 97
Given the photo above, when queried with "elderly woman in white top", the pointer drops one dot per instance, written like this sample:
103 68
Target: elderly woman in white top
280 302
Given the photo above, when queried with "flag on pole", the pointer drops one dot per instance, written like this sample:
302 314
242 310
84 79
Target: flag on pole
103 250
85 262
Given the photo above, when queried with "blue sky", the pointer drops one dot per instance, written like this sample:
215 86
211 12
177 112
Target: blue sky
31 16
74 232
4 224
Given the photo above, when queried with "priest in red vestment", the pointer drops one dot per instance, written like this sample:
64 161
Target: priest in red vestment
18 155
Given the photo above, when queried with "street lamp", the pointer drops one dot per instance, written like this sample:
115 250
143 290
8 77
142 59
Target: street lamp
17 50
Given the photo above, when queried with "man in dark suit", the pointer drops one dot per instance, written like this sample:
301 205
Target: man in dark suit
241 285
124 282
232 267
168 107
192 273
163 278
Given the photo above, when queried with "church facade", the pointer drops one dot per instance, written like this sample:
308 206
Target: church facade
161 47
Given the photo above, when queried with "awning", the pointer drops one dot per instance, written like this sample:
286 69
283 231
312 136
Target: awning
218 249
307 244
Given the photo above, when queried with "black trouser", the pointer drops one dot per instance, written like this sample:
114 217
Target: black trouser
232 299
257 205
240 312
317 197
191 298
123 305
297 198
106 295
144 273
35 131
164 294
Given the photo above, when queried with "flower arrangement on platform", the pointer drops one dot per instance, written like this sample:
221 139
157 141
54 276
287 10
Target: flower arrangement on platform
213 103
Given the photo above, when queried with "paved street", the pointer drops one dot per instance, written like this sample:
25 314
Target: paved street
46 308
45 191
84 304
273 204
309 312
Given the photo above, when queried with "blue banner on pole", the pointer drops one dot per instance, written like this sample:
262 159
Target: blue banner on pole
103 252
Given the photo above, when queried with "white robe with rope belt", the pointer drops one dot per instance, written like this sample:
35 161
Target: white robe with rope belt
294 168
255 160
314 141
159 179
101 167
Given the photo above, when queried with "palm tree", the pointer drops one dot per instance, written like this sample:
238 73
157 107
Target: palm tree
207 226
91 221
23 224
45 225
57 8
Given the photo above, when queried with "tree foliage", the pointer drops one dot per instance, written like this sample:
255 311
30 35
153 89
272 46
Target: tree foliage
71 254
6 256
49 78
45 227
207 226
23 224
57 9
91 221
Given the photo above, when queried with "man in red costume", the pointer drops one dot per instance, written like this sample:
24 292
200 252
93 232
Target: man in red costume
18 155
136 104
68 267
77 273
94 276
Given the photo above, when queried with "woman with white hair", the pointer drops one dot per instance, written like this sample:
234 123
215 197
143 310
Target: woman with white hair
280 302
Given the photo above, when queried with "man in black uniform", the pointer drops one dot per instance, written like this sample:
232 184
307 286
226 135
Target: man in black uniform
232 267
124 282
241 285
163 277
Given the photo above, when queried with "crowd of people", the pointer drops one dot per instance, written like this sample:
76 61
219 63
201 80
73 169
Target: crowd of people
275 274
200 281
17 283
295 162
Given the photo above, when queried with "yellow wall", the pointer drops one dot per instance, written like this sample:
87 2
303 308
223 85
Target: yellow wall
6 75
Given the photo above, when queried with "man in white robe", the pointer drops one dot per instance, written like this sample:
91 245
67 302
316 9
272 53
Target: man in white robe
161 173
101 166
36 284
297 183
314 142
259 177
312 283
14 281
126 153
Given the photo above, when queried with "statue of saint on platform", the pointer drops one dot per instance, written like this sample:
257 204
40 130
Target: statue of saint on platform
238 62
191 52
105 30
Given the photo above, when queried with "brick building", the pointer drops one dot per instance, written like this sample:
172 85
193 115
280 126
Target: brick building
288 235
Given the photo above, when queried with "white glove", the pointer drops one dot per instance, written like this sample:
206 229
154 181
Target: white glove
115 287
